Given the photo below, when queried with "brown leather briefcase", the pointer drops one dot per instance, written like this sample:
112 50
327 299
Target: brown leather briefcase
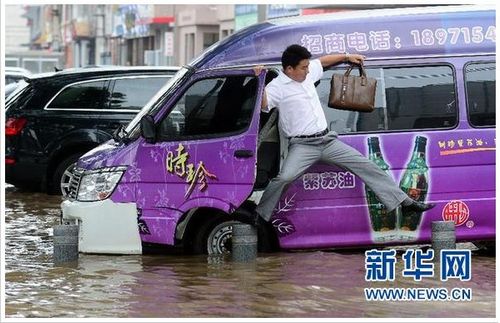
356 93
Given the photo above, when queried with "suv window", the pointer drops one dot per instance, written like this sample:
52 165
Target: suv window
212 107
480 85
407 98
85 95
134 93
21 96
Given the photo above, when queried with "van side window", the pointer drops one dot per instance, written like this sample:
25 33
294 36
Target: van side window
86 95
134 93
480 85
211 107
407 98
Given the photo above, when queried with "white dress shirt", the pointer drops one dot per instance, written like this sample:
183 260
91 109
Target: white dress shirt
300 111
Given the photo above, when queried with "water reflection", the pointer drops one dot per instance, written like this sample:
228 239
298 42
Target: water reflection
299 284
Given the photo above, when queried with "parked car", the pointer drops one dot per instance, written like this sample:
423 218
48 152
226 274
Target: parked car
15 74
54 118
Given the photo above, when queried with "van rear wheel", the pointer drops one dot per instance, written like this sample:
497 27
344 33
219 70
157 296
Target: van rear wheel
486 247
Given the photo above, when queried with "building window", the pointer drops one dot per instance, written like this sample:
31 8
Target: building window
189 40
209 39
226 32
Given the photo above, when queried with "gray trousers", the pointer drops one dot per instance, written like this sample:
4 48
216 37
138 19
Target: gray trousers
303 152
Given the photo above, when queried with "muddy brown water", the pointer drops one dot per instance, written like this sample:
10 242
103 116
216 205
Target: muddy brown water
311 284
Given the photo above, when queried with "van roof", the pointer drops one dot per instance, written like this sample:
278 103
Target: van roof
378 34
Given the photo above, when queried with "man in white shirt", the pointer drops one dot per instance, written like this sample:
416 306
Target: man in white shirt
302 120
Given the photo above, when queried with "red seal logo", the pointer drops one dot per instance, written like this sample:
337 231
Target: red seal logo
456 211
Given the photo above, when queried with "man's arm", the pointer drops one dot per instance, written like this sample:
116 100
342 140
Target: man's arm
263 105
333 59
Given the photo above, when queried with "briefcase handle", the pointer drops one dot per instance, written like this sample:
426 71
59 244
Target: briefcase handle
362 74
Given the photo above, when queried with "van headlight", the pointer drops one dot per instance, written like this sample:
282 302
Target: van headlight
97 185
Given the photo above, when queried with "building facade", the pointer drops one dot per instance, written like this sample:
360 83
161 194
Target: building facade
73 35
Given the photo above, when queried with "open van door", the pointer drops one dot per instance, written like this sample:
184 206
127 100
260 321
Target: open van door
203 153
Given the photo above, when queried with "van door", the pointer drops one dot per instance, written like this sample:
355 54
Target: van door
205 152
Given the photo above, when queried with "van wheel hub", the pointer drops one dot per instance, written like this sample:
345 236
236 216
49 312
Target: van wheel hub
220 239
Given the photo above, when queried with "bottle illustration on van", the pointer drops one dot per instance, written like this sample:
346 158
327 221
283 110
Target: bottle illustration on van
383 223
415 183
202 148
398 225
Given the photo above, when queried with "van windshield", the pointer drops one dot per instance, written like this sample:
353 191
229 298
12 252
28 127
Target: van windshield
155 103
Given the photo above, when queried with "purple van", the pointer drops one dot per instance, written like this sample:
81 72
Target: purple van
202 148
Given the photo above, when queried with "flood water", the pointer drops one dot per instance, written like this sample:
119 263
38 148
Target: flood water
313 284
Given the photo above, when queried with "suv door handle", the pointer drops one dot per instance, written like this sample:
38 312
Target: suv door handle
243 153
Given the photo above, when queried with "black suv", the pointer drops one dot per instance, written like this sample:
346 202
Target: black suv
53 119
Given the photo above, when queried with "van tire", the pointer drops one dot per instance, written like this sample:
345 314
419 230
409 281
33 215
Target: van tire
218 231
214 237
61 173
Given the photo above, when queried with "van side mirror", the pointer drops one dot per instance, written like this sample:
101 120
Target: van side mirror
148 129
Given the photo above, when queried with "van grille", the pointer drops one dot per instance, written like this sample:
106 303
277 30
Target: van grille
74 183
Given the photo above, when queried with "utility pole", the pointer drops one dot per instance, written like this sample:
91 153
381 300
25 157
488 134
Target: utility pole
99 34
261 12
56 28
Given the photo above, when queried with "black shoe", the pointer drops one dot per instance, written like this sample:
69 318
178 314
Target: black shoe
417 206
247 217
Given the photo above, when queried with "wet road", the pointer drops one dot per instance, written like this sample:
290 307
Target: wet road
312 284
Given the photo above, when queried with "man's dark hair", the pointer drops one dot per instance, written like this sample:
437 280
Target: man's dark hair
293 54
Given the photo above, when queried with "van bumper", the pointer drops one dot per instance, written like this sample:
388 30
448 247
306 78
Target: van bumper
104 227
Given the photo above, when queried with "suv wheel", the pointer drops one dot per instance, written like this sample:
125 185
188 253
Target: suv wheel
62 175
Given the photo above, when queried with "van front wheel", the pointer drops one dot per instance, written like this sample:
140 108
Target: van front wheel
215 238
